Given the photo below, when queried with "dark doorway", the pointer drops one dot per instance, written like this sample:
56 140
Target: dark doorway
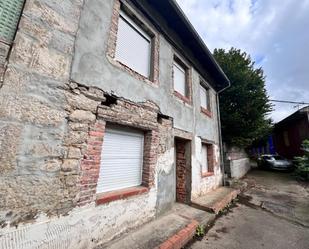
183 170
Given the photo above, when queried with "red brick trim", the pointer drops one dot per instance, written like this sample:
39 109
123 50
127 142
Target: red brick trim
120 194
180 239
207 174
206 112
151 142
90 165
210 160
183 98
188 71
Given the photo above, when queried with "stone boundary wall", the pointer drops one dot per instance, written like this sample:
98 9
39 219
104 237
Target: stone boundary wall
236 162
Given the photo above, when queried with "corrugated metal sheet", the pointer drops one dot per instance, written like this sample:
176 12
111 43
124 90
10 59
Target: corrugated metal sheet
10 11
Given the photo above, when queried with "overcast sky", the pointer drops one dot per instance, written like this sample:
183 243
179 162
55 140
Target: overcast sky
274 32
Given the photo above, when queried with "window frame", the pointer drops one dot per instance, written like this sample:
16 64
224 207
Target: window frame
124 131
210 159
145 25
187 98
207 111
183 70
143 34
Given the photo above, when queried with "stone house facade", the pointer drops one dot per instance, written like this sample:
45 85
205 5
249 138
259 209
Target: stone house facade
95 141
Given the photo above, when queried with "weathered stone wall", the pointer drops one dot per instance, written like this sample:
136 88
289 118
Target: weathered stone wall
52 124
33 113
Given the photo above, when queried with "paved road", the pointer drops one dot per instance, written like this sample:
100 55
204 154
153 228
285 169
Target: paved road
273 213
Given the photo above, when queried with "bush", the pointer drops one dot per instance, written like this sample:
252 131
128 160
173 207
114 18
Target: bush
302 163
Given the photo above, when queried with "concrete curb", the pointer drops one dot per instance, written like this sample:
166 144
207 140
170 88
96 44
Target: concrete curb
180 239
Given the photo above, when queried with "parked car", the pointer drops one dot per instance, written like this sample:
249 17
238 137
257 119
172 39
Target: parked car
275 162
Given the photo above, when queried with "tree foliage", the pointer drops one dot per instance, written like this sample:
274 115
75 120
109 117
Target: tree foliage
245 105
302 163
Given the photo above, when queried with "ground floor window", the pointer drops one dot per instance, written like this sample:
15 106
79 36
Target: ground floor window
121 159
207 161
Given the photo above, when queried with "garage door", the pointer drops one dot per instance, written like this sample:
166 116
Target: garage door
121 160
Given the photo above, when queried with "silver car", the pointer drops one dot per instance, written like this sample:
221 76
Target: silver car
274 162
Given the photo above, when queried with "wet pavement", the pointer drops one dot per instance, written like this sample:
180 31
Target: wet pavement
272 213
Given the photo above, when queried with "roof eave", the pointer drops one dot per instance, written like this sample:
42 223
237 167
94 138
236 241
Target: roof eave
183 16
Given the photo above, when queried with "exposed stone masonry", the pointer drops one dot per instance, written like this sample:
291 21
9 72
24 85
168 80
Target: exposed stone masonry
50 142
36 175
89 112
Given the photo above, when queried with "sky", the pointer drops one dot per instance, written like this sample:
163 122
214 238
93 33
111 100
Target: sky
274 32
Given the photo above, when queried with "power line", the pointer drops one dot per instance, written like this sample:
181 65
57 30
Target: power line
289 102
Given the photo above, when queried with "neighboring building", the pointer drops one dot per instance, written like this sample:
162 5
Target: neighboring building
108 116
291 132
263 147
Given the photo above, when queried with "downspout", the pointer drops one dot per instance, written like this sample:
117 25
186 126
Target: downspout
220 134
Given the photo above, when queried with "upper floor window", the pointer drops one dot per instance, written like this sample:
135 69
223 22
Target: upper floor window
134 46
180 78
204 97
10 11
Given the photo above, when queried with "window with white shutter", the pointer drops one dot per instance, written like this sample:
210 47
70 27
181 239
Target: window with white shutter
133 47
179 76
204 97
121 159
204 160
207 159
10 11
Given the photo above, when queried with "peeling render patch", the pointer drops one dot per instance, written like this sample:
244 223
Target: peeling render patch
83 227
166 161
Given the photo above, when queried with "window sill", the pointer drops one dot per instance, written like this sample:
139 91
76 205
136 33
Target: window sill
151 81
183 98
207 174
107 197
206 112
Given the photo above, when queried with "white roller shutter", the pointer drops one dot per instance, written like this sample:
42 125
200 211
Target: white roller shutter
204 159
203 97
133 46
179 78
122 160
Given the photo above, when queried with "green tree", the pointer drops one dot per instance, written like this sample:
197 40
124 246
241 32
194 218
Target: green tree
302 163
245 105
